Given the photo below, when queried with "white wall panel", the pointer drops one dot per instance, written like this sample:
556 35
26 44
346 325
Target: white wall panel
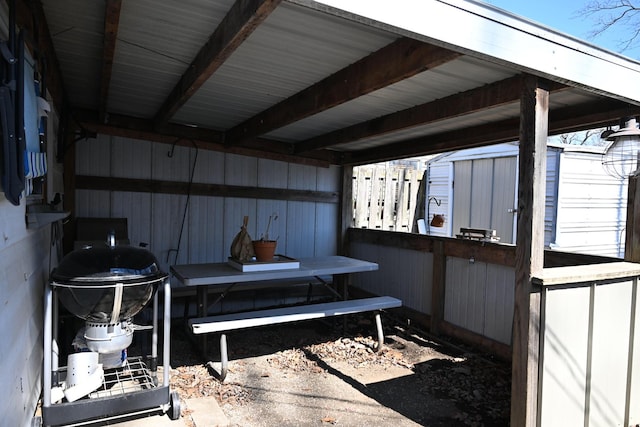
130 160
326 236
465 293
301 219
175 168
168 210
209 167
402 273
589 376
24 270
499 302
329 179
302 229
93 203
240 170
136 207
93 156
206 236
566 346
610 352
272 174
634 390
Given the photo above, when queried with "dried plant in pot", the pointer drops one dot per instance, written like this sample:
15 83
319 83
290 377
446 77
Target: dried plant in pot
265 248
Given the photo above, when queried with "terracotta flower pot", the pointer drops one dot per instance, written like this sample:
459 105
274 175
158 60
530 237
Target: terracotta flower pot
264 249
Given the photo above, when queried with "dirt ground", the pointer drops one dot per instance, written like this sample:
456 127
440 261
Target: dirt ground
323 373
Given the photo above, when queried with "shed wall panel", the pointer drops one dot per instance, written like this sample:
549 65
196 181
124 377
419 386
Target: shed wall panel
439 185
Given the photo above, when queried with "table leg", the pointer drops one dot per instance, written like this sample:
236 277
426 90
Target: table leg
201 293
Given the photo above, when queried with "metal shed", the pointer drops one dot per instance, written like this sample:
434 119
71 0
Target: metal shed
585 209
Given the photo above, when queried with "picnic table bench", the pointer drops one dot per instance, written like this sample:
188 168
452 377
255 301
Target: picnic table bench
225 277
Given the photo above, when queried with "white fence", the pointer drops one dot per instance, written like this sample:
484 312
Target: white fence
384 196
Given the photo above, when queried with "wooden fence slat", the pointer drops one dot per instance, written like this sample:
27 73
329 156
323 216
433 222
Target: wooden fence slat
385 196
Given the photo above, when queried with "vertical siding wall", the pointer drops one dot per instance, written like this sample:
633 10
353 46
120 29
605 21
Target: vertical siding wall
590 347
478 295
24 270
303 229
592 207
403 273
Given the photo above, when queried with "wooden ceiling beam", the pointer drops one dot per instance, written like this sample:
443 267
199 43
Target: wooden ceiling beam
111 23
474 100
241 20
397 61
143 129
568 119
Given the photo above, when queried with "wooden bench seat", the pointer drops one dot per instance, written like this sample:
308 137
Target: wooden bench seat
229 322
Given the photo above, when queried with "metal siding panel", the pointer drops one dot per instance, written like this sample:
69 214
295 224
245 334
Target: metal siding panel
77 28
499 303
209 167
93 156
402 273
93 203
438 186
301 217
329 179
136 207
240 170
206 238
168 210
291 50
565 348
455 76
174 168
492 32
326 237
634 394
481 193
551 199
464 294
503 198
591 207
156 43
131 158
24 268
302 177
610 352
462 195
272 173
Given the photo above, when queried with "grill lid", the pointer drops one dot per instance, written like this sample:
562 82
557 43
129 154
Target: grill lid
105 265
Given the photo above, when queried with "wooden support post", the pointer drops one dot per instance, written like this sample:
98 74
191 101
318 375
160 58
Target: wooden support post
346 209
632 240
438 286
534 109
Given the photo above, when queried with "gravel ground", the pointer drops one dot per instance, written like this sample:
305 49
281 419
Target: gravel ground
315 373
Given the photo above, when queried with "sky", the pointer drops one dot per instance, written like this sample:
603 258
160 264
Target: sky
562 15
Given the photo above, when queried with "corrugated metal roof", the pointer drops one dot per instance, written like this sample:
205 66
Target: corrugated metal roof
301 43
